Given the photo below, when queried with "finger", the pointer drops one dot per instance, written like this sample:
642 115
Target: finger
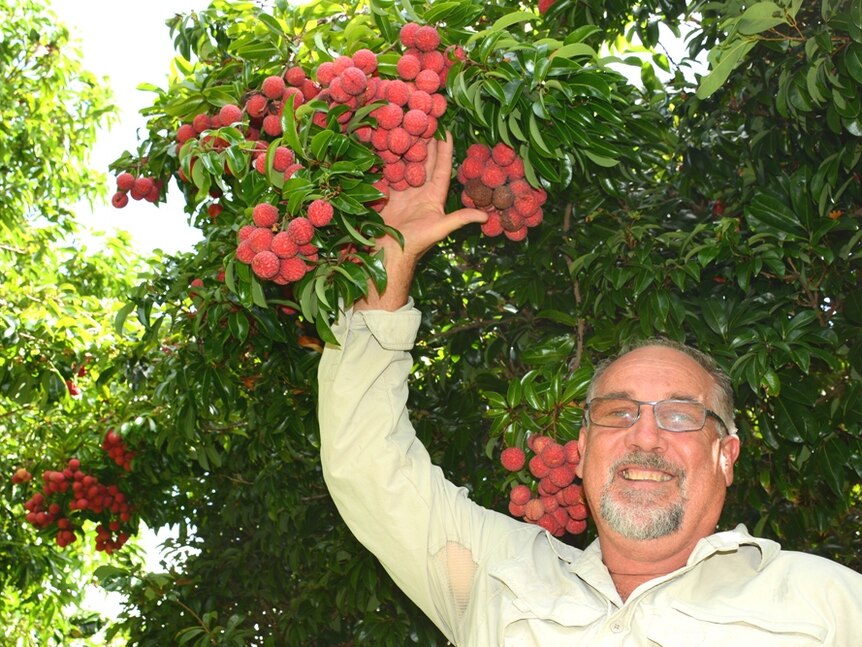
457 219
441 171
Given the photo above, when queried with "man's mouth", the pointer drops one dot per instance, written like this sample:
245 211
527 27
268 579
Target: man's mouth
635 474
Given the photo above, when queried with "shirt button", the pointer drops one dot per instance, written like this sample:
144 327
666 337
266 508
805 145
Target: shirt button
616 627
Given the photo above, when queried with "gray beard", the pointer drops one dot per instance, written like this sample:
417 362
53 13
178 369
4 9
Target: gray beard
636 515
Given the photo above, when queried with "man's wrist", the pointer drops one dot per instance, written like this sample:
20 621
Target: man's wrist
399 277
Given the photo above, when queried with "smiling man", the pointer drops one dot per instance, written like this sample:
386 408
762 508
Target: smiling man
658 449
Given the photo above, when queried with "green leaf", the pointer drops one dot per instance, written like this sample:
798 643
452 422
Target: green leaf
760 17
728 60
853 61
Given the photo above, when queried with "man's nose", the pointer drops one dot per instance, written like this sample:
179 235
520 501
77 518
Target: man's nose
645 434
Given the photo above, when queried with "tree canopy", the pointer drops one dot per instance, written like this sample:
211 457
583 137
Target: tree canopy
714 205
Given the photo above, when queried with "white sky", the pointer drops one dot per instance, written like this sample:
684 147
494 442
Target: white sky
129 43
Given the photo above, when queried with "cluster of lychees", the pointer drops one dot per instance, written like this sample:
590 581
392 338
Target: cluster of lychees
139 187
493 180
283 257
558 504
72 491
115 447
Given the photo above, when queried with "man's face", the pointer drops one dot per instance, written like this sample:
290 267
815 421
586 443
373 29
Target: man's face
644 482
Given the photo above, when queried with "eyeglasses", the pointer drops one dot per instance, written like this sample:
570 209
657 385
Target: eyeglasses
670 415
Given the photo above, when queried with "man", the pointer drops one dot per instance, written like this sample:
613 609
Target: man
658 450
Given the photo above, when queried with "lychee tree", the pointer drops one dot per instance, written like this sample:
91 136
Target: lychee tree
718 206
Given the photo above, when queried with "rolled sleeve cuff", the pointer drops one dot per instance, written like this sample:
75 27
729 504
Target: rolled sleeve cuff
395 330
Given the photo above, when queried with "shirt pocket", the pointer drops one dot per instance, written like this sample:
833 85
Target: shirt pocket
684 625
539 613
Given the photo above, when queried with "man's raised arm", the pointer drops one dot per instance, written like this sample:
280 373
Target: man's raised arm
380 476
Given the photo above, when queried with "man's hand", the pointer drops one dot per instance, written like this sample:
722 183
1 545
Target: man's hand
419 215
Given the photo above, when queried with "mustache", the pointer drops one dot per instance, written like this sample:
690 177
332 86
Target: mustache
647 460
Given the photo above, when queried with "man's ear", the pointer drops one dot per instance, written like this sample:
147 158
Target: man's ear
582 446
729 453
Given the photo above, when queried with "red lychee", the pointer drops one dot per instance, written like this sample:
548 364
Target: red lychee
141 187
420 100
426 38
438 105
394 171
284 246
264 214
513 459
260 239
534 510
517 235
229 114
407 35
433 61
418 152
415 122
428 81
256 106
341 63
353 81
320 213
245 231
300 230
520 494
408 67
120 199
399 140
479 151
282 158
273 87
201 123
292 269
365 60
295 76
388 116
272 125
265 264
493 176
502 154
125 181
185 133
414 173
325 73
397 92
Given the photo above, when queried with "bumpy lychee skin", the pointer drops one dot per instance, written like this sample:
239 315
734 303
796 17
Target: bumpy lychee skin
229 114
141 188
273 87
503 198
415 122
479 151
562 476
125 181
341 63
282 158
272 125
201 123
479 192
520 494
428 81
516 236
325 73
320 213
511 220
438 105
418 152
284 246
493 176
414 173
535 510
255 106
502 154
394 171
300 230
426 38
397 92
292 269
264 214
185 133
265 264
420 100
408 67
295 76
120 199
399 141
513 459
260 239
407 35
244 252
388 116
245 231
365 60
353 81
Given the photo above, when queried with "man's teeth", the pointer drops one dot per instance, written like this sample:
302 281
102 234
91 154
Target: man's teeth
632 474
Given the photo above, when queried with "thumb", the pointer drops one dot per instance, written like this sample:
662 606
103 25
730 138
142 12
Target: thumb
457 219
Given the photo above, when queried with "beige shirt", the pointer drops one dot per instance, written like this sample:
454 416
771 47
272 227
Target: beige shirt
486 579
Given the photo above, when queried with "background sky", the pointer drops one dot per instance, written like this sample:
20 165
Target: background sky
130 44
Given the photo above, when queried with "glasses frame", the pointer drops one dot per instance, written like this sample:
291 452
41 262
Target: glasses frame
709 413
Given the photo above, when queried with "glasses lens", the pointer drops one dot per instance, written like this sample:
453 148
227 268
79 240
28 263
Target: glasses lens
613 412
680 415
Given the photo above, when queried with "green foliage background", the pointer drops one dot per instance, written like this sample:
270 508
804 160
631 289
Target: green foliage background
722 210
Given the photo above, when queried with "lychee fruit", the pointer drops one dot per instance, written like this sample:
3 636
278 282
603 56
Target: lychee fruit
414 174
408 67
502 154
260 239
320 213
300 230
399 140
265 264
520 494
503 198
256 106
426 38
273 87
120 199
415 122
325 73
365 60
229 114
407 34
264 215
513 459
292 269
284 246
185 133
353 81
427 81
295 76
125 181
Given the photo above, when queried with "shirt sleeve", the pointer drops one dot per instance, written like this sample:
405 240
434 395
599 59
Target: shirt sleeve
425 531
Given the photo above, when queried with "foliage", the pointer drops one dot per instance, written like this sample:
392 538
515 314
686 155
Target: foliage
721 208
